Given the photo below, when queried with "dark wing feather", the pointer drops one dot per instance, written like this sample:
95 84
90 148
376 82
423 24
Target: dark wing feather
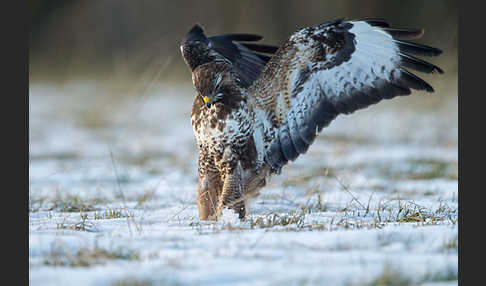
378 22
237 37
334 68
246 58
261 48
404 34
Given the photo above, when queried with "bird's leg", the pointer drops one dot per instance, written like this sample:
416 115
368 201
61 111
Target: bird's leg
209 190
257 181
232 195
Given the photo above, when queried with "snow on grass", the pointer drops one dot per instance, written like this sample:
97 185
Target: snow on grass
112 198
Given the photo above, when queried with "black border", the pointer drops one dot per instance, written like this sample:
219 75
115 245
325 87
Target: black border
15 24
471 142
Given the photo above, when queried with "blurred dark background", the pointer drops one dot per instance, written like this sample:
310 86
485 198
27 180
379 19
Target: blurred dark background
137 40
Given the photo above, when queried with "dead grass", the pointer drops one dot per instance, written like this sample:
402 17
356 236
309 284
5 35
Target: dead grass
68 202
85 257
451 244
93 118
355 215
392 276
422 169
320 172
270 220
132 282
109 213
65 202
387 212
82 225
435 169
147 195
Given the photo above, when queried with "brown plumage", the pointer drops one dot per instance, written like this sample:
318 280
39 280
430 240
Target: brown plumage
254 112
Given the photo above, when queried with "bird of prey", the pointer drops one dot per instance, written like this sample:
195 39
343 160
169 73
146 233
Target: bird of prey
257 106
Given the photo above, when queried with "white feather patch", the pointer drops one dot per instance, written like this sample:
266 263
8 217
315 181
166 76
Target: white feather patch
375 56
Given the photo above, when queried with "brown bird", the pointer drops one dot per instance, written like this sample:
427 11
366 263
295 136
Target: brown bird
257 107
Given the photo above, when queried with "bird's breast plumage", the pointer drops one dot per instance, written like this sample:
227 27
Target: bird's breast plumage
225 136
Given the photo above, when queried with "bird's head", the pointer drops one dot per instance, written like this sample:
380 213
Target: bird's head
214 92
195 48
214 83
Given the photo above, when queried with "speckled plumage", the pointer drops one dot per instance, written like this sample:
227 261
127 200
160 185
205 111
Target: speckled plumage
253 113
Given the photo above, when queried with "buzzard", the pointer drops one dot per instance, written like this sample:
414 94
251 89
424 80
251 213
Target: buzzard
257 106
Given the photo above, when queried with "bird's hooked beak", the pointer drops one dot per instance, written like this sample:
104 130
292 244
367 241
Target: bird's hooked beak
207 100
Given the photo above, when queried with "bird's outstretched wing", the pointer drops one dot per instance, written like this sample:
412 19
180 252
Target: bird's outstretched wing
247 59
329 69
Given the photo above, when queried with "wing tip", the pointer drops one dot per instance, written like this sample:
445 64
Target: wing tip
414 63
410 80
417 49
405 33
195 33
434 51
197 27
438 70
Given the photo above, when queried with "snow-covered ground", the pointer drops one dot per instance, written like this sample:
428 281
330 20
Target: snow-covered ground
112 197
